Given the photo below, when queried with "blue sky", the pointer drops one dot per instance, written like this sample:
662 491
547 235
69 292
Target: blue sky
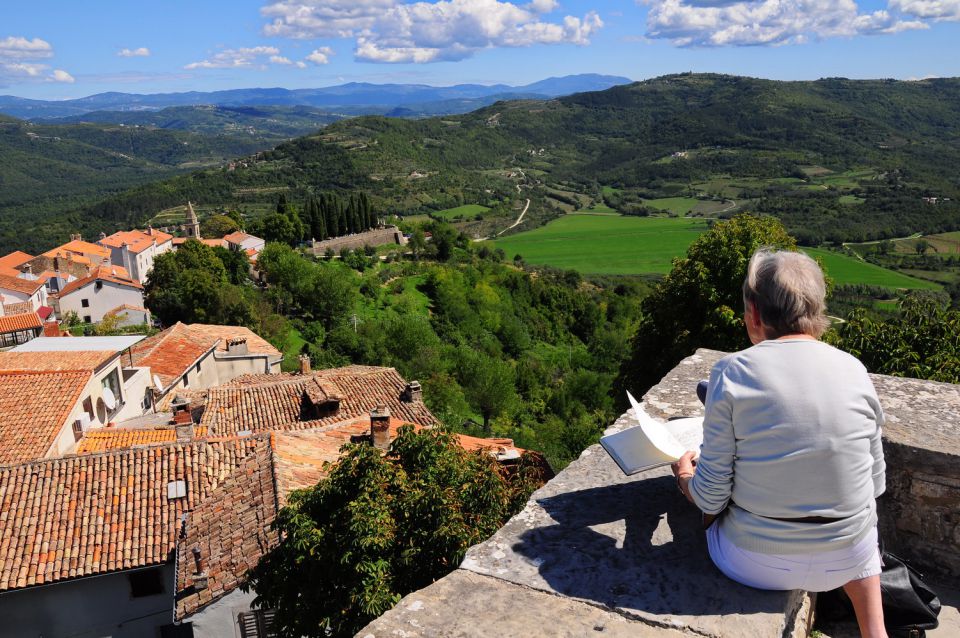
53 49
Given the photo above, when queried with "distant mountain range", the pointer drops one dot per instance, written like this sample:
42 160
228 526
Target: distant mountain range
349 99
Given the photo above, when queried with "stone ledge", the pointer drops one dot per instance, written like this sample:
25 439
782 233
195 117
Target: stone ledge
594 548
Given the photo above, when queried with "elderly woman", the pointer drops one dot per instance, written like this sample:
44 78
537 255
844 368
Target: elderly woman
791 462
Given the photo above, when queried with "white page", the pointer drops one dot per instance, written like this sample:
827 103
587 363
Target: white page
634 451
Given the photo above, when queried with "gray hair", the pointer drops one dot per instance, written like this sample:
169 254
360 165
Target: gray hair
789 292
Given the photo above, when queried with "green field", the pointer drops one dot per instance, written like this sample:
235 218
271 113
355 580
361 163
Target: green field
467 211
606 244
674 205
849 270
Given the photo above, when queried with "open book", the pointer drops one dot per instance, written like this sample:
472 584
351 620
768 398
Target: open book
652 443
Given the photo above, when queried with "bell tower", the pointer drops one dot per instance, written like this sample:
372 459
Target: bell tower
192 227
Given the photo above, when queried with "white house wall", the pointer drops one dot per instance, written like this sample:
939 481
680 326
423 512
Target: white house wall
219 619
87 608
102 301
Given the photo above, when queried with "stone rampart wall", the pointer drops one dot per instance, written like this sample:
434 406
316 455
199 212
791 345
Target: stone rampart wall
597 552
378 237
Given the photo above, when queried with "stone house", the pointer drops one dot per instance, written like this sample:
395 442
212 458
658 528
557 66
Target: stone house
200 356
99 293
136 250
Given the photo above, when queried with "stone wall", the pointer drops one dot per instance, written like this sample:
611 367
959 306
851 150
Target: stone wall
595 552
377 237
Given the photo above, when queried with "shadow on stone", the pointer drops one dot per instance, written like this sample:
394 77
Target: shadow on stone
635 546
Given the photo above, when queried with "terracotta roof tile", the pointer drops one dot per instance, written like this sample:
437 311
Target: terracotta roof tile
34 407
113 274
231 530
170 353
15 259
18 284
136 240
282 402
98 513
214 242
52 329
24 321
105 439
237 237
81 248
85 360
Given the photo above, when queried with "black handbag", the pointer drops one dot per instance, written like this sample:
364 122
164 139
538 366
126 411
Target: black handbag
910 607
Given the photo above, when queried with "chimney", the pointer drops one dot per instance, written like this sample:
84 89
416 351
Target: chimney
184 430
103 235
412 393
304 364
28 269
380 427
200 579
237 345
181 413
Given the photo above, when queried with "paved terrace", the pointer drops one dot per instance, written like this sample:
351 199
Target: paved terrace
595 553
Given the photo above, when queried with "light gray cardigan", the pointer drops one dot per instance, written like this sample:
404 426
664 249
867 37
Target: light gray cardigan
791 430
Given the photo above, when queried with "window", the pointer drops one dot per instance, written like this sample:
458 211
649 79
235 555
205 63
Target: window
186 379
84 303
87 319
183 630
198 367
256 623
146 582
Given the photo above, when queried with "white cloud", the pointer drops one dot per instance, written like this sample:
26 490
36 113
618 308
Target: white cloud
929 9
19 62
18 48
391 31
765 22
279 59
142 52
320 56
236 58
308 19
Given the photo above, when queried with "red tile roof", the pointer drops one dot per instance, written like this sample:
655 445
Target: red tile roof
113 274
237 237
24 321
18 308
104 439
34 407
136 240
171 353
15 259
79 247
99 513
231 530
284 402
86 360
17 284
44 312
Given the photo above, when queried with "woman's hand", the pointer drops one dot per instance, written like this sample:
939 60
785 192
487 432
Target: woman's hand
686 466
684 470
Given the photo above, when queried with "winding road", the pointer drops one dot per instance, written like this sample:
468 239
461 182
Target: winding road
519 219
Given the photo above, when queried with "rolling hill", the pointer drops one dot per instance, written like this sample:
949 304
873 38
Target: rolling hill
836 159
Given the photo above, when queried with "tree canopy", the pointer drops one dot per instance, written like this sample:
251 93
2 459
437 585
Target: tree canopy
379 527
699 303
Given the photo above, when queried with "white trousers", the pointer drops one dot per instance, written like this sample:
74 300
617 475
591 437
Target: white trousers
811 572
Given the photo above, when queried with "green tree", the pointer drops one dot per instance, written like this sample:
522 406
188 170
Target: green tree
217 226
279 228
699 304
379 527
418 243
922 342
488 384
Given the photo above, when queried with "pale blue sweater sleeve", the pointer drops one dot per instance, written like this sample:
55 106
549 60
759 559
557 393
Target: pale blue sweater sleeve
712 484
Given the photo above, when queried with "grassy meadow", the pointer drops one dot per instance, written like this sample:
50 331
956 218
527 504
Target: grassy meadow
849 270
606 244
617 245
467 211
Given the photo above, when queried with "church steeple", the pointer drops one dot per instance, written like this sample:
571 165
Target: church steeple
192 227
